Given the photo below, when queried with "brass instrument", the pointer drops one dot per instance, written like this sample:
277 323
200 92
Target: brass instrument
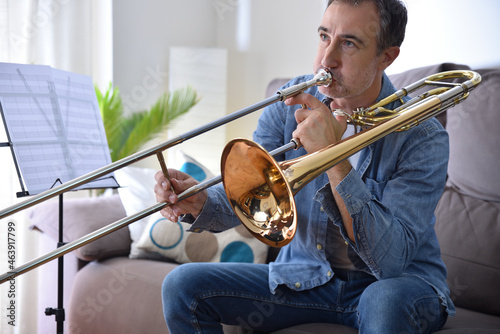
263 199
264 202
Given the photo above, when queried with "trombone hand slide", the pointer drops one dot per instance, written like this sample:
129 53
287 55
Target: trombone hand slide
120 224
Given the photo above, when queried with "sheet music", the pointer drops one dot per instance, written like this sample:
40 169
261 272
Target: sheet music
53 121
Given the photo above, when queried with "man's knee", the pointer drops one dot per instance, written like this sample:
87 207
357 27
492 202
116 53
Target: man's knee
178 283
171 283
403 305
382 296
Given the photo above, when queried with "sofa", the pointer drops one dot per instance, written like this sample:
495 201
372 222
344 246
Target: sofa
111 290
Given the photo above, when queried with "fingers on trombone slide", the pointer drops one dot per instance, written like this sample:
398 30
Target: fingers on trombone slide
164 169
296 141
164 189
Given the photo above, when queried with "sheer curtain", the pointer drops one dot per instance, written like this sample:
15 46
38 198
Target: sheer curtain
70 35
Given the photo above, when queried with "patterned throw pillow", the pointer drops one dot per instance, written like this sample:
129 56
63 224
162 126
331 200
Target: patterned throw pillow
136 193
173 242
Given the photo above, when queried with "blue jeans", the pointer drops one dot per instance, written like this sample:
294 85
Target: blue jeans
198 297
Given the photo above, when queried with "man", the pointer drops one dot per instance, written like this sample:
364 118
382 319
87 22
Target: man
365 254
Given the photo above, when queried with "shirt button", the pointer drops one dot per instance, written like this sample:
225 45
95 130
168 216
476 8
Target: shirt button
319 247
297 285
322 209
329 273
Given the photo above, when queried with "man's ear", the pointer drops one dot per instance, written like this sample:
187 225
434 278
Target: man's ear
388 56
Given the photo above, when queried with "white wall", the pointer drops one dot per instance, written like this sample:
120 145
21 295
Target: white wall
266 39
143 32
460 31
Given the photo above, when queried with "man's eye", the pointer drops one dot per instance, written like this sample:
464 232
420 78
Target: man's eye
349 44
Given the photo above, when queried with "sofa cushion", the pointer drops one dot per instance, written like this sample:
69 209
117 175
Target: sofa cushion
466 321
118 295
474 137
82 216
468 230
317 328
468 214
472 129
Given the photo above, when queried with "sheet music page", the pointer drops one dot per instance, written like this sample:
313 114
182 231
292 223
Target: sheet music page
54 124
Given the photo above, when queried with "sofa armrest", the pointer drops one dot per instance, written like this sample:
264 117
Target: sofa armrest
82 216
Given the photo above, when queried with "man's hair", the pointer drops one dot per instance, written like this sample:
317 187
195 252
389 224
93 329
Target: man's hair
393 19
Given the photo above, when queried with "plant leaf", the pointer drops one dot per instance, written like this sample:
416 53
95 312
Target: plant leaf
141 127
111 107
126 135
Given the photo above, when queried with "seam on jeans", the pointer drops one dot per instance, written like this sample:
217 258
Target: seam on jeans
277 301
340 293
416 318
341 312
192 316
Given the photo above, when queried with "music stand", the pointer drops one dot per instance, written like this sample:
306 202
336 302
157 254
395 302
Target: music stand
55 132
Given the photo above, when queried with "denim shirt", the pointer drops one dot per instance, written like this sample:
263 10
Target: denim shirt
391 195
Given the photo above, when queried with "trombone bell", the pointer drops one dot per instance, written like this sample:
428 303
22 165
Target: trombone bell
258 192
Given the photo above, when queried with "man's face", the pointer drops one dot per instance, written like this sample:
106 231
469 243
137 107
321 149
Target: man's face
348 48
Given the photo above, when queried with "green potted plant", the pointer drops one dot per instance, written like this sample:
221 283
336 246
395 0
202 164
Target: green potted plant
126 134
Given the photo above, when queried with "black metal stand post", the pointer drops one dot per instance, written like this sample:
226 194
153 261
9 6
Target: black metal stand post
59 311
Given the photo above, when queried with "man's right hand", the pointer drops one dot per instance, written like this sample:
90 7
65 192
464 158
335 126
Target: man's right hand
179 181
317 127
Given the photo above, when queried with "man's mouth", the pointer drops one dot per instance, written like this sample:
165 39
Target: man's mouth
334 76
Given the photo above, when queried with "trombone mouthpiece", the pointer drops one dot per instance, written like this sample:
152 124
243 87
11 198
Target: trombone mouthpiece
323 77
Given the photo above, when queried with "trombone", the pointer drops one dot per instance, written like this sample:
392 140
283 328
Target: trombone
267 209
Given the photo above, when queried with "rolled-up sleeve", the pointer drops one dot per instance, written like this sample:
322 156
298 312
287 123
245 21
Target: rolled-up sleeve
217 214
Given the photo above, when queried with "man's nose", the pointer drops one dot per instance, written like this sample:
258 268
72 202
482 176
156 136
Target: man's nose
331 57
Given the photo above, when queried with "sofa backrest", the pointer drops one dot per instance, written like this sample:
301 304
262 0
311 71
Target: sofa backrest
468 214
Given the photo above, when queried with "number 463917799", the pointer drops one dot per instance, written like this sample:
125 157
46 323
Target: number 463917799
11 244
